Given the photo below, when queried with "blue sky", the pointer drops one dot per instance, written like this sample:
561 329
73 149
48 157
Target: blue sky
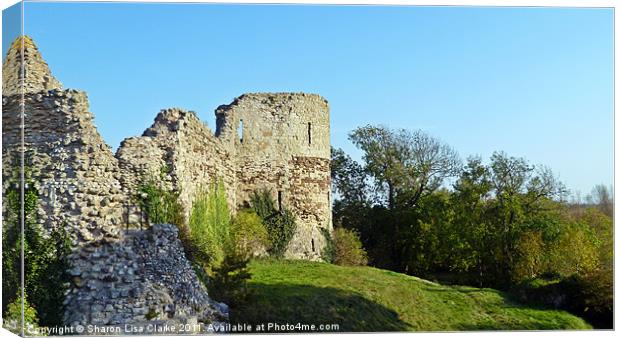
534 82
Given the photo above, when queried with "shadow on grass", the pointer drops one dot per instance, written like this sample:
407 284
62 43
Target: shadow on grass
503 312
305 304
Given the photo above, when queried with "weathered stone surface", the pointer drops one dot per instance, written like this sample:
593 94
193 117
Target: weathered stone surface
284 146
145 272
37 74
72 167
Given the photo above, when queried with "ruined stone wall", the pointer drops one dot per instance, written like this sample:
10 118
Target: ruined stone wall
181 142
37 74
281 143
74 171
143 278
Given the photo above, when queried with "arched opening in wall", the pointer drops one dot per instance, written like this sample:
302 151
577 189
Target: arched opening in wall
312 242
280 200
240 131
309 133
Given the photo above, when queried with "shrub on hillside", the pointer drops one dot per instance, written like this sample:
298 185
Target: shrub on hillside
248 234
280 223
348 248
228 281
208 230
591 296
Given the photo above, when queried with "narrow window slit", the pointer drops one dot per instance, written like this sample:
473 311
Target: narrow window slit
240 130
280 200
309 133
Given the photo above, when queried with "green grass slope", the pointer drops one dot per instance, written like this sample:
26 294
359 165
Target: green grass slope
365 299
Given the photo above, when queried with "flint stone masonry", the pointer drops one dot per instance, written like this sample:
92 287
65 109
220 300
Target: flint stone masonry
142 278
183 144
74 171
38 76
274 141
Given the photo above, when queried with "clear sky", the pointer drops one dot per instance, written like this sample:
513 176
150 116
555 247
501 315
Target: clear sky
534 82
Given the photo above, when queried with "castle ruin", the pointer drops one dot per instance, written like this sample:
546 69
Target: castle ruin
274 141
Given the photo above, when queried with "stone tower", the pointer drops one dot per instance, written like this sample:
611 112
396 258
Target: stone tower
281 143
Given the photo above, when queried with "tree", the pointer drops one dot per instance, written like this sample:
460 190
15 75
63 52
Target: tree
405 165
472 236
602 197
208 230
522 194
574 252
349 180
45 255
352 196
530 252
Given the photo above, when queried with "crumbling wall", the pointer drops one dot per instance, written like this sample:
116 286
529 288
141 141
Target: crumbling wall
142 278
179 141
74 171
37 74
281 143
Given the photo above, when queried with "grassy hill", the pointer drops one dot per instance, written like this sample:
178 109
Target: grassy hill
369 299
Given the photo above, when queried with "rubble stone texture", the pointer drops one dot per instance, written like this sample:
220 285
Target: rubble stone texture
274 141
140 279
38 76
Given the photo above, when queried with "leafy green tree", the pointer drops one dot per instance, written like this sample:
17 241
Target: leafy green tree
406 165
352 195
574 252
530 256
522 193
349 179
471 237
